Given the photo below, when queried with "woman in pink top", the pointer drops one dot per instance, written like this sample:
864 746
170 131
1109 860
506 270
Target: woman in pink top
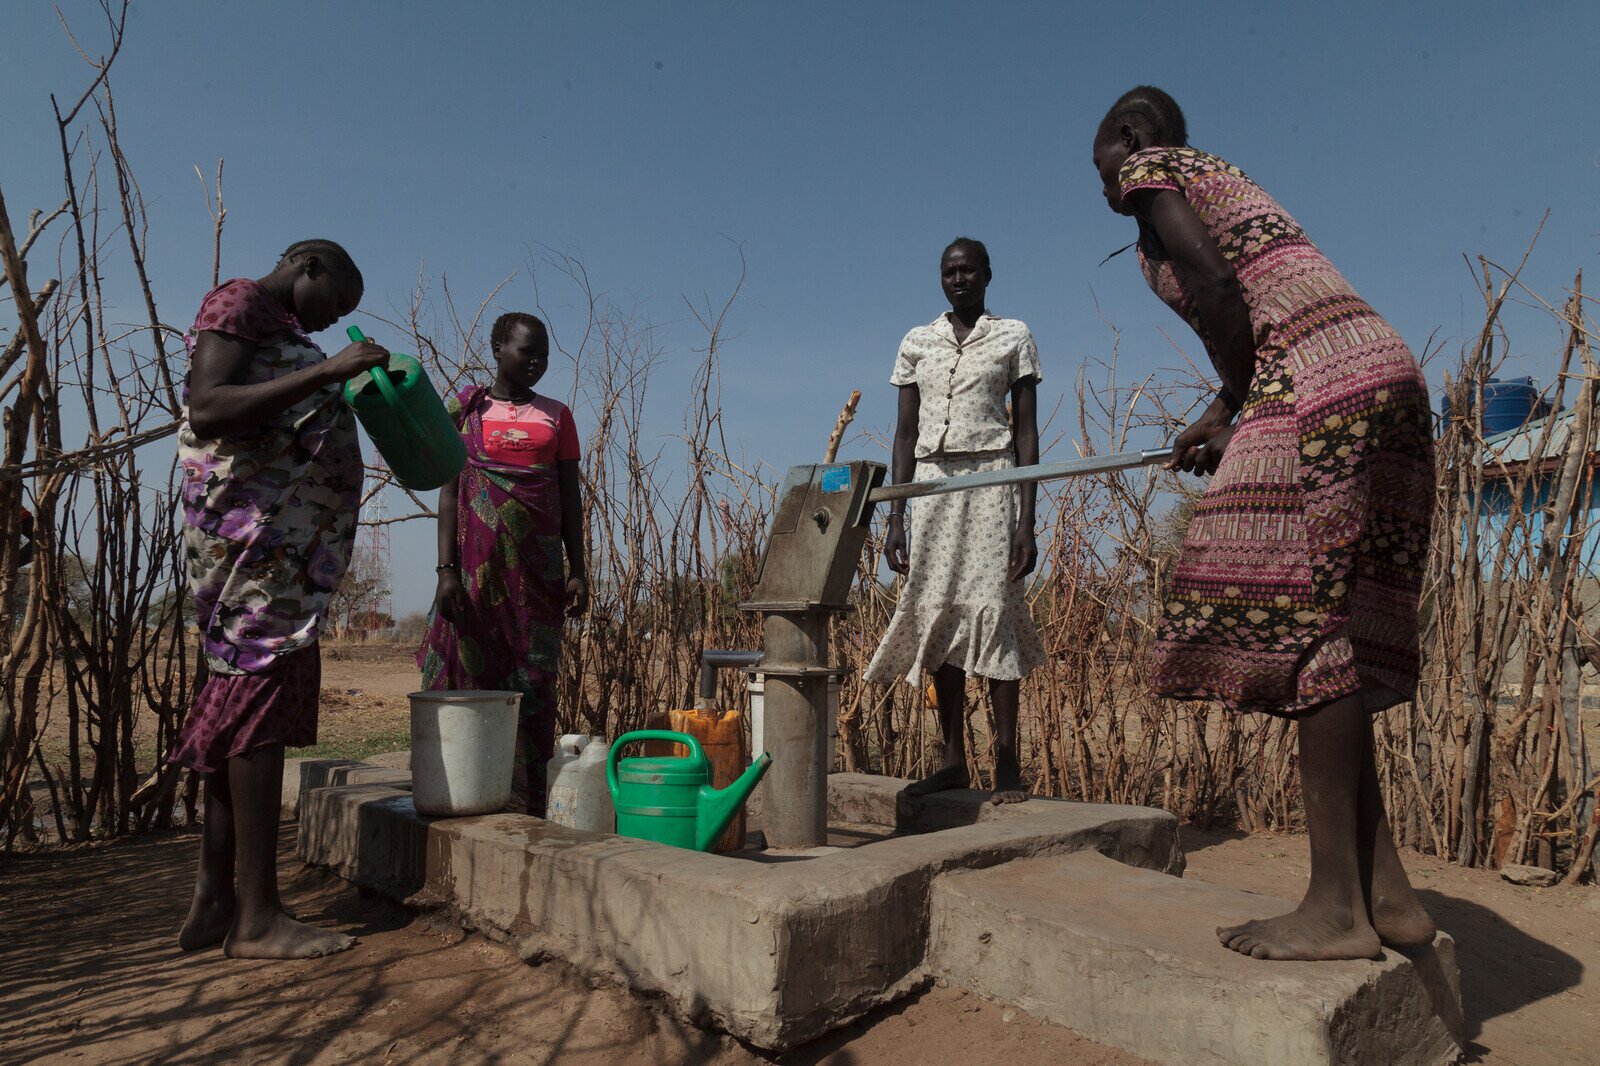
504 526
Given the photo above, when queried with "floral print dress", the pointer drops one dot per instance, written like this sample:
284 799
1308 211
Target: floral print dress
958 604
269 516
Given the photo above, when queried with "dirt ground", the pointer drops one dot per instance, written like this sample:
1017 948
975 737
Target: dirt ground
89 971
1530 987
364 709
364 706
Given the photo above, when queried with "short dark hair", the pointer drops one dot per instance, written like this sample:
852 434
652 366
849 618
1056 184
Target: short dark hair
974 248
1152 108
503 325
332 251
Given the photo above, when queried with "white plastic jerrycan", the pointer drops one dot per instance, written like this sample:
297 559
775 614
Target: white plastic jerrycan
576 794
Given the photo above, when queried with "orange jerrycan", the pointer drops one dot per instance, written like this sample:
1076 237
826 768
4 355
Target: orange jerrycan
722 735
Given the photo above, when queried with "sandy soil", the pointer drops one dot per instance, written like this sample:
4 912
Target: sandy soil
364 708
1529 986
90 973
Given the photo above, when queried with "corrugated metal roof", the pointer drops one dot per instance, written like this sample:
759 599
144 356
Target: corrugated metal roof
1517 445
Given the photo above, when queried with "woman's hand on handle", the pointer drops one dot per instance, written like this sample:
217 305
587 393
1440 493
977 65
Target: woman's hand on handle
1199 449
1209 457
894 546
1186 447
355 359
1188 444
221 404
1191 443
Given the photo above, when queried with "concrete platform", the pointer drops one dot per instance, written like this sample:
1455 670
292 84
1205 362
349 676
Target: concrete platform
775 952
1129 958
302 775
1068 911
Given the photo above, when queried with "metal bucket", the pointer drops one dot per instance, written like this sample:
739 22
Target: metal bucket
462 744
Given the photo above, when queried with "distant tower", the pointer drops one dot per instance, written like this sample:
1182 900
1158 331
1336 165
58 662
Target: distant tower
372 550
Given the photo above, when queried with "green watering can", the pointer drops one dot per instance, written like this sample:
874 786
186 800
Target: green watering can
410 427
670 800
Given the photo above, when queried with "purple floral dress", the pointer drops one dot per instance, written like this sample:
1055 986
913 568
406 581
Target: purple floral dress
269 517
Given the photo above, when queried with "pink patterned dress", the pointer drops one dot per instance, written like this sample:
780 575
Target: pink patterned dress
1300 573
512 564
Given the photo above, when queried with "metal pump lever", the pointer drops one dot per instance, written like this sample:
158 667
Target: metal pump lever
1094 464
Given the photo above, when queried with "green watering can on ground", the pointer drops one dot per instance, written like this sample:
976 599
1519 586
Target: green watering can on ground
670 800
406 421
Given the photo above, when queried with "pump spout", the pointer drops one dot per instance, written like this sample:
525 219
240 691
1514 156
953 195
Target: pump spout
717 808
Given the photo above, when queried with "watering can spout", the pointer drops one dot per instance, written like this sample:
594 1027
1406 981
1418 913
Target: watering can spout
717 808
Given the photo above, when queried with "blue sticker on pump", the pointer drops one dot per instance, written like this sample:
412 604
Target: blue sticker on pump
835 478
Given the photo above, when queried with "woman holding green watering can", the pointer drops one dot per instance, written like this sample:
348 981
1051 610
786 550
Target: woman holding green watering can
271 486
504 526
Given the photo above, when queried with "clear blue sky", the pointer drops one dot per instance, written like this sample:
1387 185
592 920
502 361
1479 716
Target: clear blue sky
843 144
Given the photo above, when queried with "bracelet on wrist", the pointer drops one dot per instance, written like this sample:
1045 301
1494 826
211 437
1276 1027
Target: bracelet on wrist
897 516
442 567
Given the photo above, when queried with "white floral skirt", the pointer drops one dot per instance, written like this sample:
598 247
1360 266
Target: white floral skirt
956 605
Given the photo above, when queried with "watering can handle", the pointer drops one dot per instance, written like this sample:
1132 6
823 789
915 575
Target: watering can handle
386 387
696 753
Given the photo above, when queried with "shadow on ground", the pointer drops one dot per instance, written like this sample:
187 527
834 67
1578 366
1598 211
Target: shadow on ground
91 971
1193 839
1503 968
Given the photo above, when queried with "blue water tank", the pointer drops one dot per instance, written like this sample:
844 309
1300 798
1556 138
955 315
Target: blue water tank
1507 405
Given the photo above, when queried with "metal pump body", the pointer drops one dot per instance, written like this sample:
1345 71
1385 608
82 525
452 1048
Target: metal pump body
813 552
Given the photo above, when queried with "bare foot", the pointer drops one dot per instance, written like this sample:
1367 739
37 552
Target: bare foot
1402 923
1008 781
207 924
941 781
1313 936
285 938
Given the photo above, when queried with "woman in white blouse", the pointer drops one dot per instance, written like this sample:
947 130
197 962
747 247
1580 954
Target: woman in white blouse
961 609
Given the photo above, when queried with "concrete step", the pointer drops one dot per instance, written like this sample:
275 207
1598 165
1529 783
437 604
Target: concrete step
303 775
1129 957
775 952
